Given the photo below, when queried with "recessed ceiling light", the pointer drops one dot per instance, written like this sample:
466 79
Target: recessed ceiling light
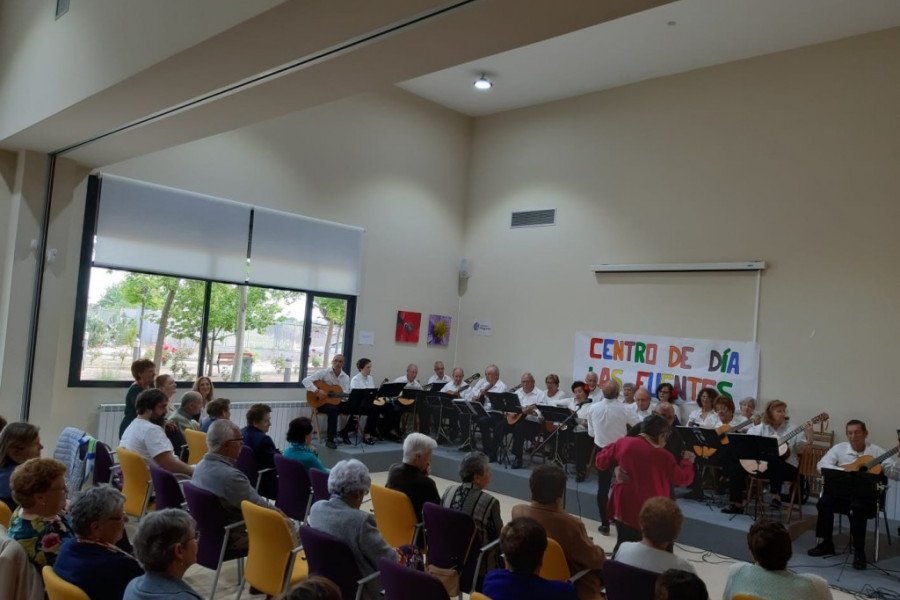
483 83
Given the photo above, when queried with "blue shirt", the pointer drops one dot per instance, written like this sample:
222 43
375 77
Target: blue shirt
5 491
158 587
305 455
502 584
102 573
264 451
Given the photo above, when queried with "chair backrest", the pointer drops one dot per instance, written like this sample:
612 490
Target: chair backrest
246 464
808 459
207 511
196 441
330 557
452 536
58 588
293 487
165 486
103 464
135 481
319 480
555 566
478 596
394 515
270 548
403 583
624 582
5 514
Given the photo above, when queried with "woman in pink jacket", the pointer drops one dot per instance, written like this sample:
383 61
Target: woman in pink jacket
651 471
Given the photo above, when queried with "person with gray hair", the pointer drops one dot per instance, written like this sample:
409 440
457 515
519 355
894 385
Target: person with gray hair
188 413
748 412
92 561
217 474
470 498
340 516
166 545
411 476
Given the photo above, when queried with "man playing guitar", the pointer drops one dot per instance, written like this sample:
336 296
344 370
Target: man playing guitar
489 383
853 455
527 423
335 378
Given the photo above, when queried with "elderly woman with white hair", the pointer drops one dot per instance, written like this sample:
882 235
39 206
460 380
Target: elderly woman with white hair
340 516
166 545
411 476
92 561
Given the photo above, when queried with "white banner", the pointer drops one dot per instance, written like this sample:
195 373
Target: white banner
688 364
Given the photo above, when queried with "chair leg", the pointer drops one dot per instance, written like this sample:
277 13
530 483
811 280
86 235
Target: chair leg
240 579
887 526
315 423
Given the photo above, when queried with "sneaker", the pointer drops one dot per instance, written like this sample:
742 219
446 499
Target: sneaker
859 561
604 529
823 549
734 509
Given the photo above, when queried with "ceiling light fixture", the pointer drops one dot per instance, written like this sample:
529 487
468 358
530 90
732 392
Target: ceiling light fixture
483 83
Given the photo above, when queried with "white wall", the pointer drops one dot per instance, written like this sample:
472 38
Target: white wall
790 158
389 162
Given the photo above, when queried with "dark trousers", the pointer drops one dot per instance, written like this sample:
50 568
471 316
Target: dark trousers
332 411
487 425
859 511
777 472
583 446
604 479
381 419
625 533
520 430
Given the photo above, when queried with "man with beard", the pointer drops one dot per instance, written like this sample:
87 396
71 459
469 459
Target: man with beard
145 435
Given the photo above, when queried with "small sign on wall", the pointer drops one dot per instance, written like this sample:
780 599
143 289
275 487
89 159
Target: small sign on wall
481 327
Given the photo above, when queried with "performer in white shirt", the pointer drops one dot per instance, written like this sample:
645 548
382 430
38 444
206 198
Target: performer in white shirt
748 411
860 510
609 420
594 391
420 407
640 405
580 404
704 415
458 423
628 393
382 418
489 383
529 423
438 376
333 376
554 395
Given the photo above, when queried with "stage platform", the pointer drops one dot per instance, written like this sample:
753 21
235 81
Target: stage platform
705 526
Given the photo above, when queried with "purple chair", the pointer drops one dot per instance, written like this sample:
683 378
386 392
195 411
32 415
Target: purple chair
624 582
105 468
212 548
293 488
452 542
165 487
246 464
402 583
319 480
330 557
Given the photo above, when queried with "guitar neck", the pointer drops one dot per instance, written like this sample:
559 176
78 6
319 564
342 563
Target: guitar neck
882 458
793 433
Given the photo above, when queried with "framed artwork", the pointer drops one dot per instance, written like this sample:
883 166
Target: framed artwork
408 325
438 330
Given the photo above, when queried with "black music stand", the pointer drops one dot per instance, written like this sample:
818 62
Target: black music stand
359 402
390 389
851 485
435 386
566 419
705 439
416 396
757 449
501 403
443 404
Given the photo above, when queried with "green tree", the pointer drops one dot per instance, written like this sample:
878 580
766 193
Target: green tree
334 310
151 292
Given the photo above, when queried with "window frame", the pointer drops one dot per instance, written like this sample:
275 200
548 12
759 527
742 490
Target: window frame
76 354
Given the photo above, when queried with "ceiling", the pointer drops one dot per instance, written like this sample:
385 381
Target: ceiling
668 39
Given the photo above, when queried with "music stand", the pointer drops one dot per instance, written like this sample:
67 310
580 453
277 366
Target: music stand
390 389
851 485
435 386
706 439
442 403
504 402
555 414
757 449
359 402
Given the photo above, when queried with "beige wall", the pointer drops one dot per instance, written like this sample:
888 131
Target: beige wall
389 162
790 158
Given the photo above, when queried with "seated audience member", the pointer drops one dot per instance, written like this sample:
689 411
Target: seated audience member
167 384
145 434
40 524
216 473
92 561
548 484
207 390
660 521
340 516
314 588
166 546
18 443
470 498
144 371
411 476
220 408
256 435
299 437
187 414
523 542
768 577
680 585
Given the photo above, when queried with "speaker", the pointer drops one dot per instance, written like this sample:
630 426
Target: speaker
465 268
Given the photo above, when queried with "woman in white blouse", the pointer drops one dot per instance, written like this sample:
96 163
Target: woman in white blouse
380 417
705 415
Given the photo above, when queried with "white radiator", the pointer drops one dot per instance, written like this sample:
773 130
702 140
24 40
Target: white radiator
110 416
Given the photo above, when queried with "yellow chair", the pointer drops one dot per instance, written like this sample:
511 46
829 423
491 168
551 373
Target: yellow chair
58 588
196 441
745 597
135 482
274 564
554 565
478 596
394 516
5 514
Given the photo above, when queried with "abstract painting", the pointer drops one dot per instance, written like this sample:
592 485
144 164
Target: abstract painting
408 325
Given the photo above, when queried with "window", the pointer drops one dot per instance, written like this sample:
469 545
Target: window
233 332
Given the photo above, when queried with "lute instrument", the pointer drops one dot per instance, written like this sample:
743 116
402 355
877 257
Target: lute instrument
336 395
381 401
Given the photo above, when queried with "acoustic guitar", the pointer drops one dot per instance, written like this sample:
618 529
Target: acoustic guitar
867 464
723 431
784 451
381 401
335 396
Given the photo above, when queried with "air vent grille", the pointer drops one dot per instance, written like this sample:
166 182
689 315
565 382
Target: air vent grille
533 218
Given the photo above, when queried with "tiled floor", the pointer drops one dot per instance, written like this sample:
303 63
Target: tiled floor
712 568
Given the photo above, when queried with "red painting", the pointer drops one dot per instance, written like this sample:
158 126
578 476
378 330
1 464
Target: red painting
408 325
